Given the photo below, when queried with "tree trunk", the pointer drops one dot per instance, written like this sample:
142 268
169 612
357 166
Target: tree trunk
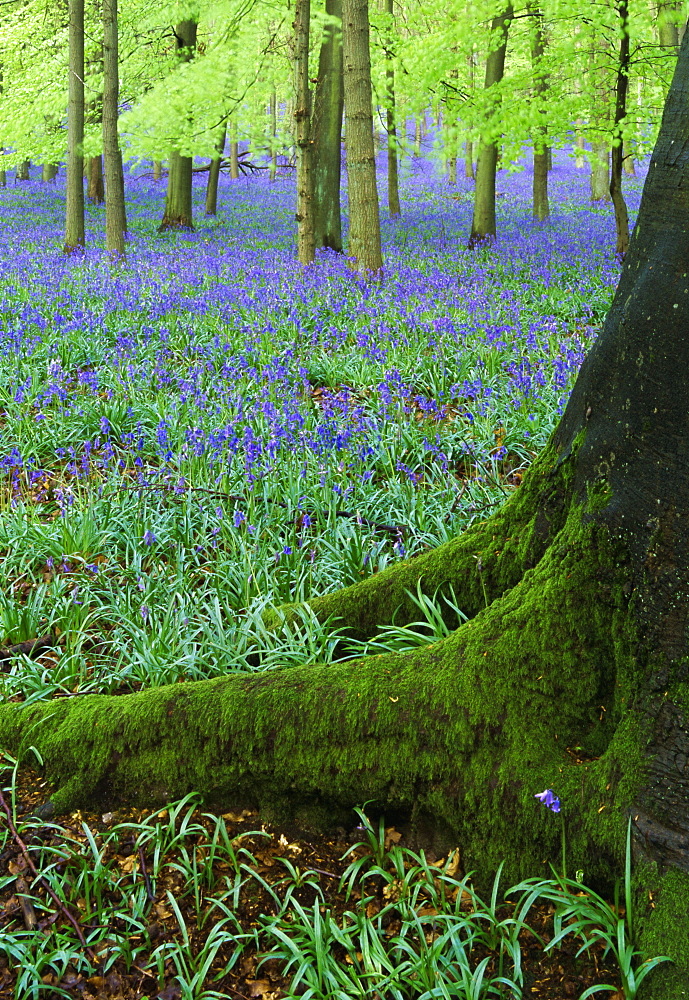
418 135
273 135
23 171
49 172
326 130
306 247
579 146
469 171
670 23
95 190
115 212
600 172
3 178
157 170
628 158
393 173
452 170
571 672
214 175
541 208
364 219
621 216
74 214
234 154
178 202
483 223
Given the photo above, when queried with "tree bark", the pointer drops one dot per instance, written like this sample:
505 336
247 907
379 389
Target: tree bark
469 172
49 172
600 172
273 135
306 246
621 216
74 214
364 219
157 170
178 202
234 154
326 133
23 171
115 211
214 175
95 189
541 207
393 173
483 223
670 23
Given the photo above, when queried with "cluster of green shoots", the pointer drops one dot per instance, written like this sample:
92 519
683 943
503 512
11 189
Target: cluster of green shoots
401 927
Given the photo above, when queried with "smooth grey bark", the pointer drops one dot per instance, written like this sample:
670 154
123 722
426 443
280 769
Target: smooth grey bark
214 174
621 216
483 222
115 211
541 207
326 133
178 203
74 214
364 219
306 246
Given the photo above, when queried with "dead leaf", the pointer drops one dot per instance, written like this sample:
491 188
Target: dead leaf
259 987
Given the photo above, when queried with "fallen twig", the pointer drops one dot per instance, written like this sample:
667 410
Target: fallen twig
44 882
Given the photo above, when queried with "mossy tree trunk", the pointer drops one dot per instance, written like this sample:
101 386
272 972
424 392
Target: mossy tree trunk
571 672
483 221
541 207
74 212
115 211
364 217
306 245
178 202
326 127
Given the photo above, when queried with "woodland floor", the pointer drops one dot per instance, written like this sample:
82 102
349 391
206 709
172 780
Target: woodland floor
272 853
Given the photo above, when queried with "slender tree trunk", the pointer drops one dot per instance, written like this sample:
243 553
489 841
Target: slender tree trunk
273 135
418 135
178 202
306 246
95 189
115 211
74 216
600 172
469 171
393 173
3 178
157 170
49 172
628 158
452 170
364 219
621 216
326 133
579 146
541 207
214 175
483 224
234 153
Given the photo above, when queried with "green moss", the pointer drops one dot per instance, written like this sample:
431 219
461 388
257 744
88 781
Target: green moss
662 908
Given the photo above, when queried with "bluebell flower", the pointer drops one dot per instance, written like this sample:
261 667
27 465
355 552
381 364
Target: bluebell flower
549 799
149 537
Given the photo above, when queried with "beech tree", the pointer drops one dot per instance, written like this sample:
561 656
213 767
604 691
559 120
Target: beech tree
74 224
570 672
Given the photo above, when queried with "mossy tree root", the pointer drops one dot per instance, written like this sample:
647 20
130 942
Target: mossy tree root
480 565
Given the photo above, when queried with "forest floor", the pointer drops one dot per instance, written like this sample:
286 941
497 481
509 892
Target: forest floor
209 430
161 943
